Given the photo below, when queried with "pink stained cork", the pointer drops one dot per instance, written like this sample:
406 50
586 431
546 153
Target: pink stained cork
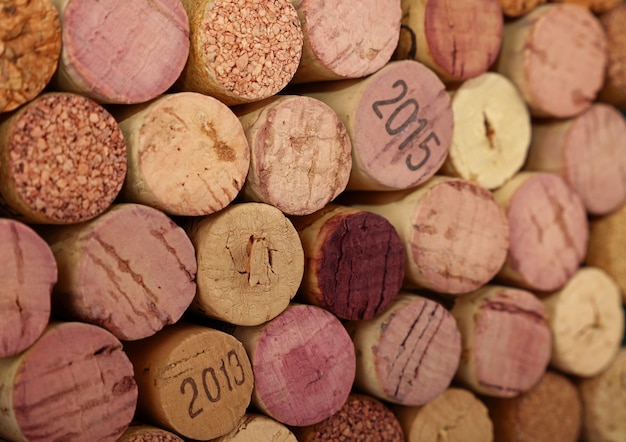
614 88
506 340
587 151
28 275
303 363
343 41
73 384
130 270
549 231
556 56
114 51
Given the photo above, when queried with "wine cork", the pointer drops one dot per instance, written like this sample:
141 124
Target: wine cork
587 323
73 384
131 271
147 433
506 340
551 411
30 47
201 141
456 415
255 426
303 363
596 6
63 160
517 8
604 403
241 52
614 87
457 40
114 51
193 380
586 151
250 263
361 418
444 251
399 120
556 56
492 131
300 154
354 261
341 41
408 354
548 231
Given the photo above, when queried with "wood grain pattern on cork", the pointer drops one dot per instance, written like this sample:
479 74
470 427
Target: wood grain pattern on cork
506 340
587 152
409 353
254 426
131 270
241 52
492 131
194 381
517 8
62 160
456 415
140 432
75 383
551 411
400 124
28 272
114 51
548 229
596 6
30 47
343 41
354 261
299 153
457 40
303 363
587 323
556 56
250 263
614 88
361 418
203 145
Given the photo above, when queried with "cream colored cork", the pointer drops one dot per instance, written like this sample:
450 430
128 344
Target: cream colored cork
254 426
138 432
596 6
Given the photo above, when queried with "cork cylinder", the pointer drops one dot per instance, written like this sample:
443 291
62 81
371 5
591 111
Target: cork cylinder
457 40
587 323
62 160
241 52
28 274
362 417
399 120
139 432
614 87
30 47
354 261
456 415
73 384
131 271
341 41
548 231
455 234
203 145
551 411
517 8
587 152
596 6
194 381
492 131
299 153
408 354
303 363
250 263
255 426
506 340
556 56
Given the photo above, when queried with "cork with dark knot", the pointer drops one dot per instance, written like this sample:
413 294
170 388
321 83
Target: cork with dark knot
63 160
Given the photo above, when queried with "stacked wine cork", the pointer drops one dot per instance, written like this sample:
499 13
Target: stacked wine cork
299 220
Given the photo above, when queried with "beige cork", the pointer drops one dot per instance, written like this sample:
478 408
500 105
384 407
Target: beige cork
587 323
343 41
614 87
596 6
203 145
138 432
456 415
194 381
30 47
254 426
517 8
241 51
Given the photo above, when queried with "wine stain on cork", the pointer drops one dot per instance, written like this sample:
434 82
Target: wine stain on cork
223 151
